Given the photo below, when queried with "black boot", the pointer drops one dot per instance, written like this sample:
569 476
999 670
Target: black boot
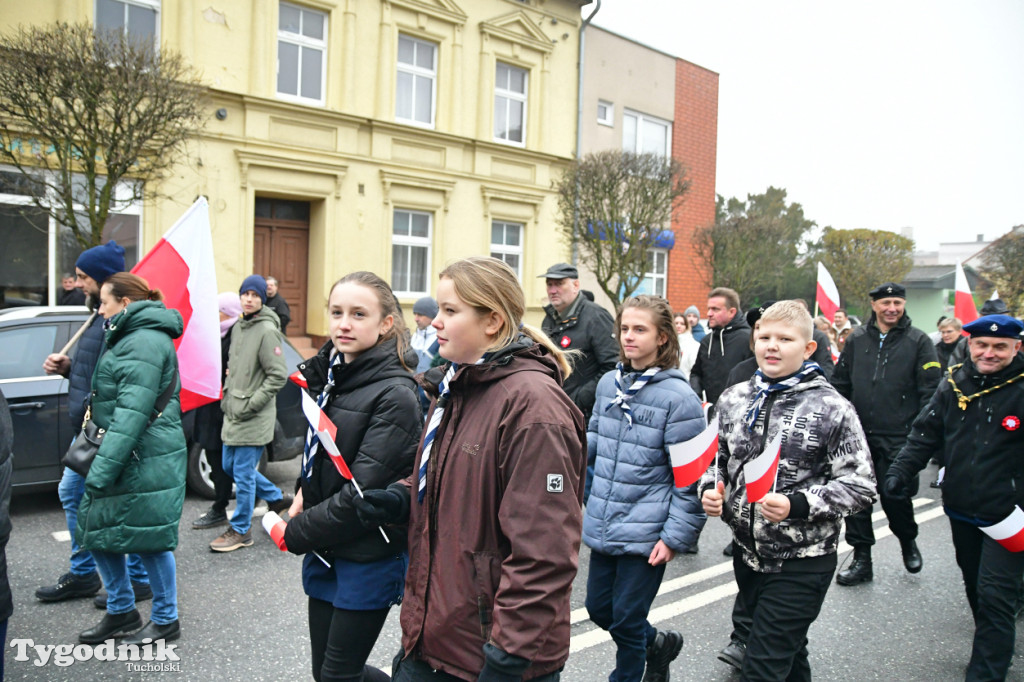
112 626
859 570
911 556
153 632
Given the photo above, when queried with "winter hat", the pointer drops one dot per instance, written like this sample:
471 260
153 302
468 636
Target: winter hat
254 283
100 262
692 310
229 304
1001 326
995 306
426 306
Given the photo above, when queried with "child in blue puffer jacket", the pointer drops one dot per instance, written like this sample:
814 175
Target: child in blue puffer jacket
636 520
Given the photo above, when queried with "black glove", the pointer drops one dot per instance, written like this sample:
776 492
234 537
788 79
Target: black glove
894 486
500 666
381 507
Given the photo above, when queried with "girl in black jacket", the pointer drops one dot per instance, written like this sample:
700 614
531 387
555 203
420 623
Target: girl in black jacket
362 382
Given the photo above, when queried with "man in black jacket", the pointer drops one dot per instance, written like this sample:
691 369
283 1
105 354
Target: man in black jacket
889 371
972 424
726 345
574 322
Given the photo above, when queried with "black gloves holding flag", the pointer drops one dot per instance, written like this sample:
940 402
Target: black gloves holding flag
379 507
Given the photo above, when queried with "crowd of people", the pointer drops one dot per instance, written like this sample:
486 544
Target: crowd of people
477 452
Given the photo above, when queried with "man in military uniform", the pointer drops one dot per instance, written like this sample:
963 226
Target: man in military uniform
889 371
973 424
575 323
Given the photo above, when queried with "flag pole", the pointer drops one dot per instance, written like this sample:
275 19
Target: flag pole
78 335
360 491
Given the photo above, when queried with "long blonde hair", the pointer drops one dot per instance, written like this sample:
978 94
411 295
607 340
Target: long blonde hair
490 285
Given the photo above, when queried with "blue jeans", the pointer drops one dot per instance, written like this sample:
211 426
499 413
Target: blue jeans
70 491
620 591
240 462
162 578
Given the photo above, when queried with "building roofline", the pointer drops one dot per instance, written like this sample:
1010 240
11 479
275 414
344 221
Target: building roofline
597 25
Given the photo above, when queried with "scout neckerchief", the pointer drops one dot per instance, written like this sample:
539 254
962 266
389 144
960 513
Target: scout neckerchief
312 442
622 398
764 386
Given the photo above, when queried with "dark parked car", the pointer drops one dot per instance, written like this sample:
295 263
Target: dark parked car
39 402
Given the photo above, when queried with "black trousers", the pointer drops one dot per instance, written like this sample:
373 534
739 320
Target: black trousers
341 641
221 481
993 580
899 511
782 607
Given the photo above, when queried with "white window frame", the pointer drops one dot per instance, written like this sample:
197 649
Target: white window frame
301 41
417 71
411 242
148 4
655 282
120 206
501 249
609 114
511 96
638 136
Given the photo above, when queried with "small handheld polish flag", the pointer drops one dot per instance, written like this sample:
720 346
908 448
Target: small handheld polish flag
326 432
760 472
691 459
1009 532
274 525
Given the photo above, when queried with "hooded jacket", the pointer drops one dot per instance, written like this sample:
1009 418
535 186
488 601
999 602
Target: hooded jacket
722 349
980 446
825 469
256 372
136 485
493 548
588 328
633 499
888 381
379 420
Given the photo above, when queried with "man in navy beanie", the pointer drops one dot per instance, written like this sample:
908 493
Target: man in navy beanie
256 372
93 268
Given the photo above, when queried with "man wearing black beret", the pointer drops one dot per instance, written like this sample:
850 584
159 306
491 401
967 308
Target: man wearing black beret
973 424
889 371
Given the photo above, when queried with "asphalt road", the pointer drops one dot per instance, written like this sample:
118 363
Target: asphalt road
243 614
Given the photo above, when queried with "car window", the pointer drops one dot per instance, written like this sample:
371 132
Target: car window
24 349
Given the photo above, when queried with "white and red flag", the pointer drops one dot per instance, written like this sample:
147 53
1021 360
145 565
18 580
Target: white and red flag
691 459
181 267
326 432
827 296
1009 532
963 304
761 471
275 525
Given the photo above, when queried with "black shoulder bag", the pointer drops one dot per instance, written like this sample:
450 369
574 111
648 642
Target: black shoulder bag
83 451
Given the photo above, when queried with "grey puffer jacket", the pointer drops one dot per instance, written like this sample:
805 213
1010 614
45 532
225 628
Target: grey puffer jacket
633 500
825 470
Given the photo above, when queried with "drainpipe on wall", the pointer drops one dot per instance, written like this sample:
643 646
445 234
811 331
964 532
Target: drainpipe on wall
579 127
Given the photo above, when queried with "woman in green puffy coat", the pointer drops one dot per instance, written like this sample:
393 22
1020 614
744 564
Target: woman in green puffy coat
136 485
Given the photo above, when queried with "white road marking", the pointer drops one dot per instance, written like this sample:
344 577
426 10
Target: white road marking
597 636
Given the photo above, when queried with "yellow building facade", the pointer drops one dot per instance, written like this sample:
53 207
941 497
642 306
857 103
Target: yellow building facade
385 135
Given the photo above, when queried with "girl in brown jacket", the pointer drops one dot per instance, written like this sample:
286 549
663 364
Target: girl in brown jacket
494 502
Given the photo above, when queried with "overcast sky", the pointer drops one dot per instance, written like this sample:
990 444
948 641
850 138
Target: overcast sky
870 114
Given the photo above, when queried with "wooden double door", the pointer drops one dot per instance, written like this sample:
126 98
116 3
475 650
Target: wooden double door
281 250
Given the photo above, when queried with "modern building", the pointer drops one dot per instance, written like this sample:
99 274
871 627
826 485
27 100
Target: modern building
641 99
385 135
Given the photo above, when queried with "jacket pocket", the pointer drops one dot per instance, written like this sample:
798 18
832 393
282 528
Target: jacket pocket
486 575
235 403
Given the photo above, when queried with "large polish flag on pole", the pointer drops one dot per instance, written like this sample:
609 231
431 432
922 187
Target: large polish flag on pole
827 296
181 267
1009 532
761 471
963 305
691 459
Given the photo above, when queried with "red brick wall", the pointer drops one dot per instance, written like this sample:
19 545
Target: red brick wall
695 145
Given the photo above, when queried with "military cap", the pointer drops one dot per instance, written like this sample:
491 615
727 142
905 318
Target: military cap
888 290
1002 326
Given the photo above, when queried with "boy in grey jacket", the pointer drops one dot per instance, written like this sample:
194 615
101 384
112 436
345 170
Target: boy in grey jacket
786 541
